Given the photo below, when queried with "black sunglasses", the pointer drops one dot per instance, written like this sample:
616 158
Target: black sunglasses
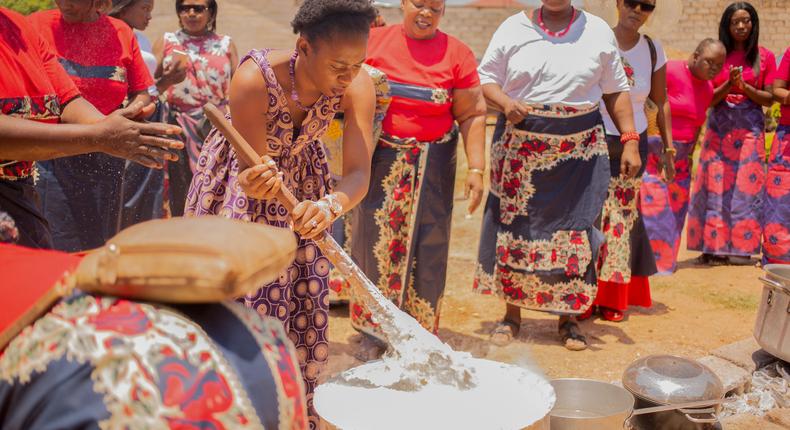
646 7
197 8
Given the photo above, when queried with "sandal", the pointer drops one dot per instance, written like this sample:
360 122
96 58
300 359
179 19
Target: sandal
712 260
738 260
571 336
704 259
504 332
612 315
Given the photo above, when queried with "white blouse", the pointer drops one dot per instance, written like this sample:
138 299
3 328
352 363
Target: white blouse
637 64
575 69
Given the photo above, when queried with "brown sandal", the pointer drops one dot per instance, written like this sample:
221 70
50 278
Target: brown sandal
504 332
571 336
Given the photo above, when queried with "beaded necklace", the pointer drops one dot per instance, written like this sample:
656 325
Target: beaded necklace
292 73
543 26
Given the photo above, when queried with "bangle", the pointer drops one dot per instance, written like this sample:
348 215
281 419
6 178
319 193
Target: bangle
670 150
629 136
477 171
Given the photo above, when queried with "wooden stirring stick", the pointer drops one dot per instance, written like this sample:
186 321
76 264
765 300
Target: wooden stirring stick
384 309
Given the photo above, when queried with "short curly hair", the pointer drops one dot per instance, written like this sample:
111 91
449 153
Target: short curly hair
324 19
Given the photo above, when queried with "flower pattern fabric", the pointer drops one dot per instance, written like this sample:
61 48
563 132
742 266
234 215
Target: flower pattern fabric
619 216
155 368
776 238
549 180
299 298
409 184
45 108
727 202
664 205
207 81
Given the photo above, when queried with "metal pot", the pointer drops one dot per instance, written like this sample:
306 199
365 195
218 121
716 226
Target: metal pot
659 380
772 328
584 404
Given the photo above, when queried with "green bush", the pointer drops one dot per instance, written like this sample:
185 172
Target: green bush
27 6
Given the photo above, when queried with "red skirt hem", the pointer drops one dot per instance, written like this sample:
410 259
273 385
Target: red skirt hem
620 296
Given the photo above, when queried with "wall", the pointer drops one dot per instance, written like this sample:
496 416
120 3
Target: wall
679 24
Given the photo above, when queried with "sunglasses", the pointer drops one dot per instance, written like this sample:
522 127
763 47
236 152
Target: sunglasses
646 7
196 8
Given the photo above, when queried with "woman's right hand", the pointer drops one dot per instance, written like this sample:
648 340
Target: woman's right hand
736 77
146 143
172 74
263 181
516 111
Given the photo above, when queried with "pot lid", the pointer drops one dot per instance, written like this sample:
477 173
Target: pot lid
668 379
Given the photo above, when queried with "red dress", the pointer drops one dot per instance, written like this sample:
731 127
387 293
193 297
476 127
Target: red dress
33 86
82 194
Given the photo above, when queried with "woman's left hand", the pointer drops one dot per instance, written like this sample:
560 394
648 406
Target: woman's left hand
473 190
630 161
311 219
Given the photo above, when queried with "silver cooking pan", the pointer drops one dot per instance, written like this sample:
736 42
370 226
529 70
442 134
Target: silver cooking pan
584 404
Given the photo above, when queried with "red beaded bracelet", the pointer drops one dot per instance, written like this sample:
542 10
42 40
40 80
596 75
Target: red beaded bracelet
629 136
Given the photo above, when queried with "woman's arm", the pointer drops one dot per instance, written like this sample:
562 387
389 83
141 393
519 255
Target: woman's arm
469 109
358 105
249 105
248 108
619 107
763 97
780 92
496 99
720 92
140 97
658 94
234 58
166 77
22 139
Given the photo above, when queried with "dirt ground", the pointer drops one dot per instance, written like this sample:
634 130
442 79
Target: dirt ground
695 310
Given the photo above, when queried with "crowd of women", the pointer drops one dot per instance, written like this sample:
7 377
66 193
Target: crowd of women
590 161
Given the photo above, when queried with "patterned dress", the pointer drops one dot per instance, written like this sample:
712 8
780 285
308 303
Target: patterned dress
725 217
101 361
549 179
664 205
776 235
300 297
401 229
208 81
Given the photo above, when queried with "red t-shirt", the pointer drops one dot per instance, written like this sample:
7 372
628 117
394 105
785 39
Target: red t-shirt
33 85
423 75
102 57
689 99
738 59
784 74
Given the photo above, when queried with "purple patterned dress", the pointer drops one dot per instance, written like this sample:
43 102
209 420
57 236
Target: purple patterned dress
725 216
776 235
300 297
664 205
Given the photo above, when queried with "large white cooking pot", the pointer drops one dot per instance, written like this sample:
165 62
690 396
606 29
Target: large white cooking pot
506 398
